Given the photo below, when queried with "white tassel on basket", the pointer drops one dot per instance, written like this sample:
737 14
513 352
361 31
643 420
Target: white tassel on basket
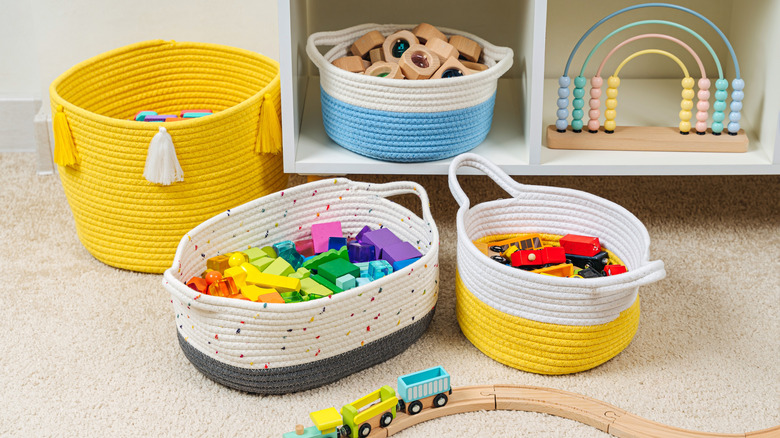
162 165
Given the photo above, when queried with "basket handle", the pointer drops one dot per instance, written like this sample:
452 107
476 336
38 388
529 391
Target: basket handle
488 168
391 189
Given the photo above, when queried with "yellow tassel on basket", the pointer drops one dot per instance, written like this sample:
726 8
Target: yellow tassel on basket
64 149
269 138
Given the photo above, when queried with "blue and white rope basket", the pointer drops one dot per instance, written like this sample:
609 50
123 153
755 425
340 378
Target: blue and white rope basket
405 120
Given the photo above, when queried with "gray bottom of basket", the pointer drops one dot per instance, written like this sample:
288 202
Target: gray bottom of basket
309 375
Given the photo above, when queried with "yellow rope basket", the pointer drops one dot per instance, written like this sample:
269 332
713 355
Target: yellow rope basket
227 159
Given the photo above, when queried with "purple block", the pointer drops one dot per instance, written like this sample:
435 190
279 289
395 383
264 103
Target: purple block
158 118
361 252
362 232
399 252
381 239
336 243
321 233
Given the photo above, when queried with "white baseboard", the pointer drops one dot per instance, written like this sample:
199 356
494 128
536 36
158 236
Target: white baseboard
17 133
44 140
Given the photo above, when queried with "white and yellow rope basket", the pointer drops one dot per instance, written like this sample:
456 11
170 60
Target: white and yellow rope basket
538 323
227 158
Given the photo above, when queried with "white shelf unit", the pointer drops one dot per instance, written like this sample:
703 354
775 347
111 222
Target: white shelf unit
542 33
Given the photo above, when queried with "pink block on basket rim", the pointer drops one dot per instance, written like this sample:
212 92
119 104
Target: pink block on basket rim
321 234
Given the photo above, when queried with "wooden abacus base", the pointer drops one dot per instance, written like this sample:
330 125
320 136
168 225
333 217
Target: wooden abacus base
646 138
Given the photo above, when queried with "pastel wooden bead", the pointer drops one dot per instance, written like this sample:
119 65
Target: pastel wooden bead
685 126
610 114
426 32
596 82
576 124
718 116
352 64
442 49
595 93
384 69
611 104
594 103
578 103
737 95
366 43
564 81
593 125
685 115
612 93
738 84
721 95
735 105
577 114
450 68
398 43
703 95
701 126
701 116
613 82
594 114
688 93
688 82
702 105
721 84
467 48
475 66
578 93
609 125
376 55
686 105
418 63
719 105
704 83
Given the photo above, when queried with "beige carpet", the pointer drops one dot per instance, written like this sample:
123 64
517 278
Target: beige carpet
89 350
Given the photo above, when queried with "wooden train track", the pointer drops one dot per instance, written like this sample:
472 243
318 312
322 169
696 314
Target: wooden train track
595 413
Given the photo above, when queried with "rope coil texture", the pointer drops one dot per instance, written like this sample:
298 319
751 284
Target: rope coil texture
537 323
258 337
405 120
123 219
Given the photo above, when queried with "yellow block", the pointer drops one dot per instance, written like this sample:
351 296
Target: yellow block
238 274
312 287
262 263
562 270
326 419
251 272
281 284
253 292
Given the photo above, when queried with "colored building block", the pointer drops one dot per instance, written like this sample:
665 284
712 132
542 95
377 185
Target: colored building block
198 284
273 297
467 48
580 245
400 251
361 252
305 247
362 232
380 238
141 115
378 269
366 43
553 255
596 262
283 246
254 253
270 251
254 292
174 119
301 273
291 256
194 115
562 270
223 288
316 261
195 111
336 243
321 233
218 263
337 268
262 263
251 271
238 274
237 258
345 282
279 267
609 270
311 287
362 281
159 118
291 297
327 283
363 266
530 257
281 284
326 420
397 266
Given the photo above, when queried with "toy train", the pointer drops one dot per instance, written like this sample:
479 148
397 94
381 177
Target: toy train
424 389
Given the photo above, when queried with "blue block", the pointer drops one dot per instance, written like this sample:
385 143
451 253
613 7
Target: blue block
336 243
346 282
362 281
292 257
397 266
378 269
283 246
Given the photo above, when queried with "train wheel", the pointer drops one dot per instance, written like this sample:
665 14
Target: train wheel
401 406
415 407
364 430
346 431
386 419
440 400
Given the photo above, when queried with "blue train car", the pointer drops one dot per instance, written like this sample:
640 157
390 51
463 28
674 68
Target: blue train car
413 388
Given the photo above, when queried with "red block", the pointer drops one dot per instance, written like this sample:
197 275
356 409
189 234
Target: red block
198 284
553 255
580 245
530 257
614 269
305 247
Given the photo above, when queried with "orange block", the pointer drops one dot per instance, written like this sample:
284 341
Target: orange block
271 298
198 284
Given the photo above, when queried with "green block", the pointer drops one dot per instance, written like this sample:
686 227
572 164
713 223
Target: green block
312 288
279 267
254 253
291 297
301 273
269 251
262 262
323 281
316 261
337 268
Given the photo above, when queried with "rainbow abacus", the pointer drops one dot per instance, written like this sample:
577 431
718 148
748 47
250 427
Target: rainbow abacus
699 125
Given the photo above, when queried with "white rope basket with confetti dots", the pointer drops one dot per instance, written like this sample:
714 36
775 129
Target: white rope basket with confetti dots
282 348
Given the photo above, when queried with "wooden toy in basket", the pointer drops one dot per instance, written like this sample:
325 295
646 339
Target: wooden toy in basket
135 187
610 136
413 119
538 323
272 348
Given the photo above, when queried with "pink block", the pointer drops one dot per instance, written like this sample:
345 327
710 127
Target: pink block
321 233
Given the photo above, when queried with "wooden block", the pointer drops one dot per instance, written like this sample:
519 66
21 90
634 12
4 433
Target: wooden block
451 68
475 66
646 138
366 64
366 43
384 69
418 63
442 49
468 48
464 399
403 36
350 63
426 32
376 55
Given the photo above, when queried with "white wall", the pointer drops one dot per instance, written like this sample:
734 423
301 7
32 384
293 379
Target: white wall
18 63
